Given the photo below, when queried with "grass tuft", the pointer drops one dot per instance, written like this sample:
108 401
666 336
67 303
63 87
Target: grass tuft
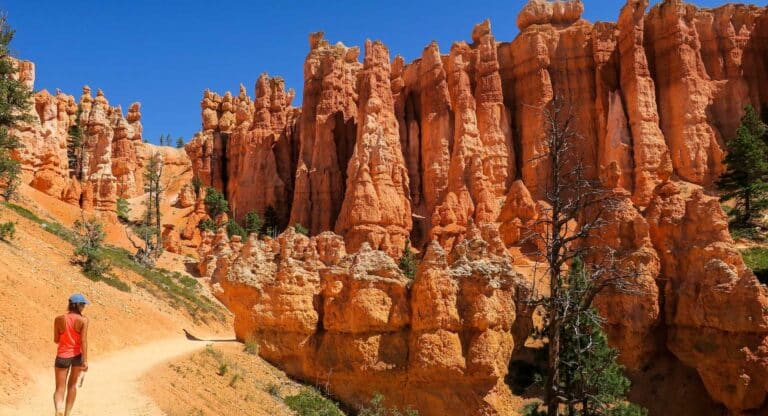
311 403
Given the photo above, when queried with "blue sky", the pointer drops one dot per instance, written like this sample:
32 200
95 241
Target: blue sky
164 53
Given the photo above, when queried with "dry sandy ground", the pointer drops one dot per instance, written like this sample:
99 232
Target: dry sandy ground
194 384
112 385
36 277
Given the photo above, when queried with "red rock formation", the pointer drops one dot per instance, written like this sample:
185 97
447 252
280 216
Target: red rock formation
261 151
716 314
376 208
651 157
439 344
171 239
436 128
254 143
327 132
112 151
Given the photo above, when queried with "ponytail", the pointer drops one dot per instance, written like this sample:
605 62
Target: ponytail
73 308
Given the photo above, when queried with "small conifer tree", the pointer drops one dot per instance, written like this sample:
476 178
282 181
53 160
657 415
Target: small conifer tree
123 209
215 202
746 177
14 102
408 262
253 222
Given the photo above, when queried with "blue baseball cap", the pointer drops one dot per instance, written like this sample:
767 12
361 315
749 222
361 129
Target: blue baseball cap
78 298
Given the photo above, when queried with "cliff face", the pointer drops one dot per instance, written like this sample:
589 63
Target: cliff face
245 142
657 95
356 324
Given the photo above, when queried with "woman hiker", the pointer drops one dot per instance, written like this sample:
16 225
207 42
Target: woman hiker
70 331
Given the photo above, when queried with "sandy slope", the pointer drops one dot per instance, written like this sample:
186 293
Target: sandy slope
112 384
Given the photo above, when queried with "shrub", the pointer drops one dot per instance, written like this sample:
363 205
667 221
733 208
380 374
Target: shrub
215 202
223 368
252 347
197 185
311 403
376 408
233 228
274 390
234 379
300 229
91 237
207 225
123 209
253 222
408 262
7 231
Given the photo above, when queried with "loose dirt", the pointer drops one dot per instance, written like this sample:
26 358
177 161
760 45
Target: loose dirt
112 385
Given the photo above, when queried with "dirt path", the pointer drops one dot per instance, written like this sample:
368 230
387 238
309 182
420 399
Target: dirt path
111 386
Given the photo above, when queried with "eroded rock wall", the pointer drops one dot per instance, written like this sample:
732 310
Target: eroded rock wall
354 323
112 154
656 96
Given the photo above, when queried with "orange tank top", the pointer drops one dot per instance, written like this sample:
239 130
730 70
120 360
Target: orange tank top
69 340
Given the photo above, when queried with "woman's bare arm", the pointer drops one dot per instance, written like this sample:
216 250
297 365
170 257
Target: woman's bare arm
56 332
84 343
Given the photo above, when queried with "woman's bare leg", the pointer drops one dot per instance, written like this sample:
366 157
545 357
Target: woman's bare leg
58 394
72 388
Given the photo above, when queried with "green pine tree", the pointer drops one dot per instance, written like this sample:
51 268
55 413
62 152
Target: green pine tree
253 222
215 202
14 104
591 381
123 209
197 185
746 177
180 143
300 229
233 228
408 261
75 146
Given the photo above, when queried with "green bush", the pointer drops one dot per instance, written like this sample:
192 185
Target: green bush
215 202
300 229
376 408
311 403
252 347
408 262
253 222
207 225
7 231
197 184
123 209
91 237
233 228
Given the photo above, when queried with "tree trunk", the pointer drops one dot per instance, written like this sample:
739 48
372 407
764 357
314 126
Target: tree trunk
747 207
553 371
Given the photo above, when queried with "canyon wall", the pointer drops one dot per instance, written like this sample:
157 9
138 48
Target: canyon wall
656 95
355 324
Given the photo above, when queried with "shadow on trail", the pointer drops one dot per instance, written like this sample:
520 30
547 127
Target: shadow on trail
194 338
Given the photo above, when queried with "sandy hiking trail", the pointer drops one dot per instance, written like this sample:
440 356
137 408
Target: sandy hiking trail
112 383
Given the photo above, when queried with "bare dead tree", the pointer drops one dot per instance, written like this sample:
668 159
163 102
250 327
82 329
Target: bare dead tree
575 213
